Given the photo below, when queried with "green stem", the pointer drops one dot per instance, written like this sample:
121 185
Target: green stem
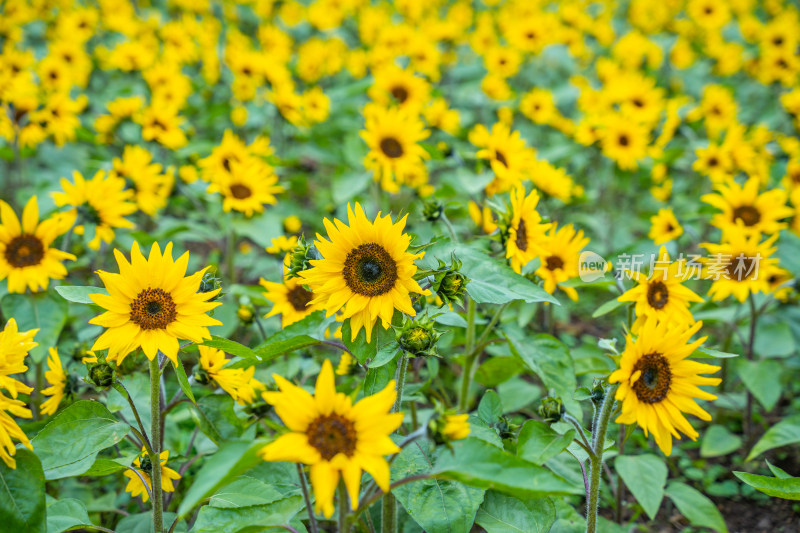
155 445
748 415
230 253
312 520
598 443
469 356
450 227
389 504
344 525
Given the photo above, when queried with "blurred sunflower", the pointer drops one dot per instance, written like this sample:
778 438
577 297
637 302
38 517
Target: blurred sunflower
625 142
664 227
150 304
57 379
658 383
248 187
337 439
561 252
145 468
14 347
366 270
10 430
746 211
505 150
394 85
151 187
239 383
526 232
26 258
739 265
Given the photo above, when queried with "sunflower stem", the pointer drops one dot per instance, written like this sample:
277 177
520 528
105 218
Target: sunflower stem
469 356
748 415
389 505
596 462
344 525
312 520
155 445
449 226
230 252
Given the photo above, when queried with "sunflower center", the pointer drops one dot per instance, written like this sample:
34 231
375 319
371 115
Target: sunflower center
623 140
331 435
369 270
88 213
299 298
742 268
657 295
653 385
153 309
501 158
747 214
554 262
713 162
391 147
400 93
24 250
240 192
522 236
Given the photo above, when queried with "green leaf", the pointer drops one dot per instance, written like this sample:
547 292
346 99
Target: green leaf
69 443
787 431
716 354
303 333
232 347
538 442
103 466
385 355
377 378
497 370
183 381
491 408
774 339
143 523
718 441
44 311
761 378
79 294
645 476
786 488
607 308
66 514
22 499
777 472
216 520
229 461
699 510
359 347
435 504
501 513
217 419
479 464
243 492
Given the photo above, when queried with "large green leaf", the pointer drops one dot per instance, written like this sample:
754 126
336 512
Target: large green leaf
230 520
719 441
501 513
45 311
22 499
761 378
303 333
538 442
479 464
232 347
696 507
645 476
787 431
787 488
143 523
244 491
436 505
216 417
69 443
79 294
229 461
66 514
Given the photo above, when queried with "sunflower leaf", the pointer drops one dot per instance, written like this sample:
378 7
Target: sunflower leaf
22 498
645 476
231 347
696 507
183 381
79 294
787 431
778 487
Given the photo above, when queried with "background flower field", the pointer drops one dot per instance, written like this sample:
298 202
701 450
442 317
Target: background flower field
441 266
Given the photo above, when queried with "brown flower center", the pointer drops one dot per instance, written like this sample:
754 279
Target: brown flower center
741 268
747 214
501 158
240 192
653 385
24 250
657 294
299 298
331 435
522 236
554 262
153 309
391 147
369 270
623 140
400 93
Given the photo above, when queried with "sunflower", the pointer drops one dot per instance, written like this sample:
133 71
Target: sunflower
150 304
26 258
14 348
366 269
625 141
393 136
145 468
101 202
456 427
396 86
739 265
562 250
57 379
281 244
664 227
526 232
10 430
334 437
714 161
290 300
248 187
661 294
151 187
746 211
482 217
505 150
238 382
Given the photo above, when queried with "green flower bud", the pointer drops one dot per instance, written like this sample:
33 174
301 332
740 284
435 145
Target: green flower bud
259 410
432 210
102 375
301 257
145 465
418 337
598 391
201 376
448 282
551 409
245 313
209 283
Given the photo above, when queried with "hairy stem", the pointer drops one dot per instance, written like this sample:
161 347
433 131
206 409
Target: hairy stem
469 357
312 520
596 462
344 525
155 445
748 414
389 505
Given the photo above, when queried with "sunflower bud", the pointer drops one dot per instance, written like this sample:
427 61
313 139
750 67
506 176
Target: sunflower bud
432 210
245 313
145 465
445 428
598 392
209 283
201 376
258 410
101 374
551 409
418 337
300 257
448 282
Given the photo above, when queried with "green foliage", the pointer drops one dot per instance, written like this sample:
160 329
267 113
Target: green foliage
696 507
645 476
22 497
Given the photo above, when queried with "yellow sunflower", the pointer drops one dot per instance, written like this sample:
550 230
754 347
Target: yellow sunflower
526 232
238 382
57 379
144 467
101 202
394 85
151 187
366 270
290 299
10 430
334 437
661 294
14 348
505 150
26 258
664 227
739 265
150 304
562 250
456 427
746 211
248 187
658 383
625 141
393 136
